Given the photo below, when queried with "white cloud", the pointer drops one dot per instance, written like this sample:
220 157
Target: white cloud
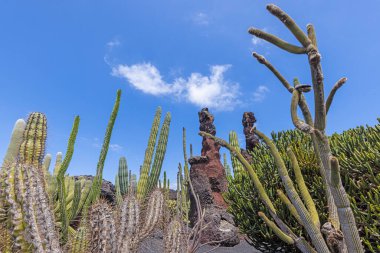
204 91
256 41
260 93
115 147
113 43
201 18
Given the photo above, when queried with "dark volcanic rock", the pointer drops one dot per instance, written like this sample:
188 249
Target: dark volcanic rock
208 177
251 139
107 191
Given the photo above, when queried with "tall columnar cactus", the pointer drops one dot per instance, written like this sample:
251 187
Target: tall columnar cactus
234 142
150 173
98 179
62 194
341 218
10 158
226 165
174 241
102 227
123 176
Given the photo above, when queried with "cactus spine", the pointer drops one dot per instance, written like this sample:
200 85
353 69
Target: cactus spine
123 176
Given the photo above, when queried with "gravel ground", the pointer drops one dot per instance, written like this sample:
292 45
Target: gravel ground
154 244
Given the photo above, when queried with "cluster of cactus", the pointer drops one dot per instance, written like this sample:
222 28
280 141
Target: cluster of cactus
150 172
358 151
122 229
339 233
37 208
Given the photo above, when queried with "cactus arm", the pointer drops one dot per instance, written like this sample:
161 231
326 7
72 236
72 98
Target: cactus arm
307 221
284 237
144 174
330 98
276 41
255 179
311 35
234 142
303 189
261 59
289 205
154 211
46 164
304 127
346 216
98 179
15 142
290 24
119 197
159 155
61 180
76 201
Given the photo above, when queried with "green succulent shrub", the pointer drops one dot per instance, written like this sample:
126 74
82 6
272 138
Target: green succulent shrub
358 151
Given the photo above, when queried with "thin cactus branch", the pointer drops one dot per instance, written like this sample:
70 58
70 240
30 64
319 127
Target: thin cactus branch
330 98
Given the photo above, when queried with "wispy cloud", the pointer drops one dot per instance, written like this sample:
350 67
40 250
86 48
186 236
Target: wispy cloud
113 43
201 18
260 93
112 146
210 91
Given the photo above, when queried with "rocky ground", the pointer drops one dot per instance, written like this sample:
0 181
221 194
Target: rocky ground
154 244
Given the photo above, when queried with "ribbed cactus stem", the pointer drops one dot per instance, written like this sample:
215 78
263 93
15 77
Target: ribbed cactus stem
15 142
153 214
102 228
144 173
234 142
307 221
173 239
61 180
159 155
129 224
346 216
118 196
185 160
226 166
32 149
284 237
303 189
98 179
123 176
11 156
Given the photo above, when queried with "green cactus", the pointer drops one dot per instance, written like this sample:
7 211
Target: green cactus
234 142
123 176
98 179
149 174
226 165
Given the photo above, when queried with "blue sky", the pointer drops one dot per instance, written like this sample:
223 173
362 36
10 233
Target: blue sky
67 58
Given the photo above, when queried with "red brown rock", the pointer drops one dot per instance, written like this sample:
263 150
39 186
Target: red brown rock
209 180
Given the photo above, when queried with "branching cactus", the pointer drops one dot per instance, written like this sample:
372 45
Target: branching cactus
341 233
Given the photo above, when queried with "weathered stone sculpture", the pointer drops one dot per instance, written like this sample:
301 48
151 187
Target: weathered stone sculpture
251 139
209 180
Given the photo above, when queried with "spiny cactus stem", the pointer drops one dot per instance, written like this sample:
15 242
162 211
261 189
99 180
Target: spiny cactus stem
330 98
261 59
289 205
277 41
61 180
284 237
303 189
290 24
304 127
311 34
346 216
312 230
